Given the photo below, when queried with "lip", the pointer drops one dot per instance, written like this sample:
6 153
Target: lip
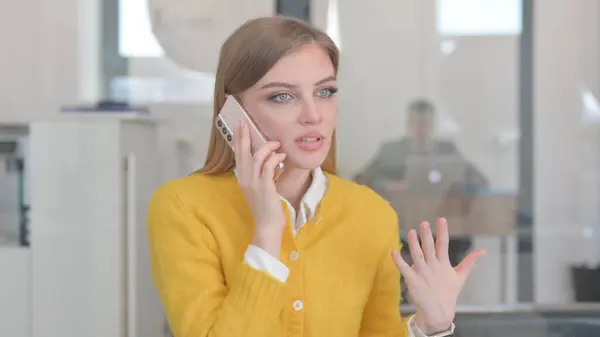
312 145
311 135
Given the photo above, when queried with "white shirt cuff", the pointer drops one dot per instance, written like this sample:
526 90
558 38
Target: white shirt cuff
414 331
260 260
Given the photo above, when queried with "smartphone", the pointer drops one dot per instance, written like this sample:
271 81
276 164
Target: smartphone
226 122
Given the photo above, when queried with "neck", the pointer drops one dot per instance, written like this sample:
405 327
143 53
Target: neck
293 184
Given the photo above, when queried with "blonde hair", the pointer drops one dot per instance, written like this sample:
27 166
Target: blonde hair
245 57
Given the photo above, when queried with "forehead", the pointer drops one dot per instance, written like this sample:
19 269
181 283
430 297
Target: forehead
305 66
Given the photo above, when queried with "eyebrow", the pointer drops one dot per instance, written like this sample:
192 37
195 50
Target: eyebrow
291 86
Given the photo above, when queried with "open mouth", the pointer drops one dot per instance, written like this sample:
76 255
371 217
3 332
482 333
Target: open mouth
309 139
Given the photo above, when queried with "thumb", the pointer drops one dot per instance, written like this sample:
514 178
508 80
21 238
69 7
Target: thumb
466 265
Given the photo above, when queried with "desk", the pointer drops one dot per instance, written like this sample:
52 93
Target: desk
476 214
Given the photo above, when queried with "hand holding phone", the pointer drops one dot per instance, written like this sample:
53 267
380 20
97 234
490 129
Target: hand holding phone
257 164
255 178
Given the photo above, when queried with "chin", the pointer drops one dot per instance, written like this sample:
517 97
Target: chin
305 161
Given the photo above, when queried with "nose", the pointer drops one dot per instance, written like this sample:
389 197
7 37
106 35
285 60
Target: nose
310 113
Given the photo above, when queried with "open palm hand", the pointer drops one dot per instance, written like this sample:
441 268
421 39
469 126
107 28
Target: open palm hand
432 282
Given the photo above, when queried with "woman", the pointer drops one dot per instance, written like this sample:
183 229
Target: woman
234 253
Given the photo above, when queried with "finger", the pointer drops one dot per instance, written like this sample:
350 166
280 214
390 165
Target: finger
405 269
427 242
442 241
237 135
466 265
243 156
415 249
269 168
260 157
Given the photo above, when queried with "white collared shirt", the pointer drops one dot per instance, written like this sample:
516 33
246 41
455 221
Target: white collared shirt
263 261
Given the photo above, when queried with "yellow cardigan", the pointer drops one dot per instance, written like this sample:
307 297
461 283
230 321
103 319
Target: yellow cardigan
343 283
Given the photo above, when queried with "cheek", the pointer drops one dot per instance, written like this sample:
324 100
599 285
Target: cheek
330 115
273 121
267 117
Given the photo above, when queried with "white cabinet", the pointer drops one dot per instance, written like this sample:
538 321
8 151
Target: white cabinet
91 180
15 298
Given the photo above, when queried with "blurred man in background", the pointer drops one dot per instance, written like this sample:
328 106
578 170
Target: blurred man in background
387 172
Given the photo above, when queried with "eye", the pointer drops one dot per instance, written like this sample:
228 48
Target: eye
280 98
326 92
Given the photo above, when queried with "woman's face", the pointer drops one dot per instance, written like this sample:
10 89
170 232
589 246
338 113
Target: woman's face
295 103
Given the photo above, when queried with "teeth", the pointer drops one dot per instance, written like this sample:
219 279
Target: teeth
312 139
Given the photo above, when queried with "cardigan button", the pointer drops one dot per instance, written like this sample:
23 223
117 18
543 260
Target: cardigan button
294 255
298 305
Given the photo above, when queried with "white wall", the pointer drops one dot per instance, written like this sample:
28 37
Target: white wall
51 56
17 62
567 185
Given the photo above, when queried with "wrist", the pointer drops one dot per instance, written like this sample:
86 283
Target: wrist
268 241
428 328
